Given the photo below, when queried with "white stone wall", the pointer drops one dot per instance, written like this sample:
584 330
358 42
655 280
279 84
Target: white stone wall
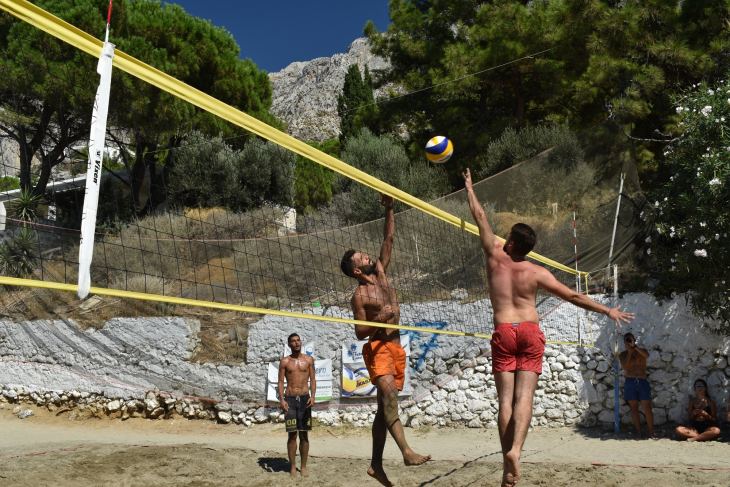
113 370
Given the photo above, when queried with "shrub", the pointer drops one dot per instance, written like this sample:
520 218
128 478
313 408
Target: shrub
515 146
385 158
691 220
209 173
9 183
18 255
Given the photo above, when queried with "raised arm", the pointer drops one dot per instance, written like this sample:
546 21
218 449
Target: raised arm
548 282
282 372
485 231
388 232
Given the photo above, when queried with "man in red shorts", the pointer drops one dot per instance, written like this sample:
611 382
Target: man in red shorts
375 300
517 342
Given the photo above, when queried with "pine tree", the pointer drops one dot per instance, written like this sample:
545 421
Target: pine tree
356 104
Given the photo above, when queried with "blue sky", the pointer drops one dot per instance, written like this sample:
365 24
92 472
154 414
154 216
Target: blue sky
275 33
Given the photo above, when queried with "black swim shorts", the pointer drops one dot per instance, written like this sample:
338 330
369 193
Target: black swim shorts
299 415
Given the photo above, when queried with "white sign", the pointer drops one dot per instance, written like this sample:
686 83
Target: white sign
97 138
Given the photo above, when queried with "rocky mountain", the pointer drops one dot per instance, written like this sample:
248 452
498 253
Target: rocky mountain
305 93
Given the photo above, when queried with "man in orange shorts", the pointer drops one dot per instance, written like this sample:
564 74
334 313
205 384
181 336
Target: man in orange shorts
375 300
517 342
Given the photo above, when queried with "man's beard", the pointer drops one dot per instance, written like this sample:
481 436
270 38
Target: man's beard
368 270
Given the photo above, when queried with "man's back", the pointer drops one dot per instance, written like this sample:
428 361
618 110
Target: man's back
512 287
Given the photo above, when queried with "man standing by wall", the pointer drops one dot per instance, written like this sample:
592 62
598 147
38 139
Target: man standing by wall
636 387
301 389
518 343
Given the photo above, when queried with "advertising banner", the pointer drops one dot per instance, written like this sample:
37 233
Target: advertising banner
355 376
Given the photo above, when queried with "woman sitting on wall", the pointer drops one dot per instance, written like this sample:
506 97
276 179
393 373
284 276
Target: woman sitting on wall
702 416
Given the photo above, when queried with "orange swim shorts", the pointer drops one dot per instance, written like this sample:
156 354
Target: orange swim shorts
517 346
385 358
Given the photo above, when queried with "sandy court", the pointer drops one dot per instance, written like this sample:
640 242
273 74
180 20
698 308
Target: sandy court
49 450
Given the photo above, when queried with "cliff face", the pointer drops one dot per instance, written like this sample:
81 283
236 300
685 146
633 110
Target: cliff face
305 93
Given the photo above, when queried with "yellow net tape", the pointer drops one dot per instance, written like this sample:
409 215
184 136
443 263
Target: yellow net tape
66 32
117 293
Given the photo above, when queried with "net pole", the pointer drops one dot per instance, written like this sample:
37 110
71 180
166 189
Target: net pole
616 400
615 224
577 274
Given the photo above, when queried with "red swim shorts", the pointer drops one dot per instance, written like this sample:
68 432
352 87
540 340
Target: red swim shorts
385 357
517 346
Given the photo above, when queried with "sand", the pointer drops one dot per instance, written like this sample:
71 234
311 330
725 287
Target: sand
49 450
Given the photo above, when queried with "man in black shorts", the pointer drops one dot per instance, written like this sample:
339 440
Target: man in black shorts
301 389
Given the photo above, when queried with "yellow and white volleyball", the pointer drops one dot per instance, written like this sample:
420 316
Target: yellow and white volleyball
439 149
356 382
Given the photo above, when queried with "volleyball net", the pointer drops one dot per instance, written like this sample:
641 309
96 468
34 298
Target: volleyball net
244 246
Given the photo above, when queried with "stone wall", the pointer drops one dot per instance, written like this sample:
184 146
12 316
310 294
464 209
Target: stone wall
141 367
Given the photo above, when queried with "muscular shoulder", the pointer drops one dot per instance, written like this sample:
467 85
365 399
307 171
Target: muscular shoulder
357 296
284 362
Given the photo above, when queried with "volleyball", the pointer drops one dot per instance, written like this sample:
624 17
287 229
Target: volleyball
439 149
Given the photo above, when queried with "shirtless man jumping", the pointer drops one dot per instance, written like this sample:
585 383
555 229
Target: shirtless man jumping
518 343
375 300
297 402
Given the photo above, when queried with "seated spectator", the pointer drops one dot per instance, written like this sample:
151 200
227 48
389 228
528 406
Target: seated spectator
702 416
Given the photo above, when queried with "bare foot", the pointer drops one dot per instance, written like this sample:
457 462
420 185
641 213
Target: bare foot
411 458
511 469
293 472
379 475
305 471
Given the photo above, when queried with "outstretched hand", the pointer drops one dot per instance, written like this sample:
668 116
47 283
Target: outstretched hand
467 179
620 316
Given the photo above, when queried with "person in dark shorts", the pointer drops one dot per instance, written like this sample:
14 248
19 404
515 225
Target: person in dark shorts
636 387
517 342
301 389
702 412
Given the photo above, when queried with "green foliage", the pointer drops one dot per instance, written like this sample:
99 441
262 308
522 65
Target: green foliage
618 61
514 146
9 183
386 159
25 206
265 173
356 105
196 52
46 88
209 173
313 183
18 254
690 251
